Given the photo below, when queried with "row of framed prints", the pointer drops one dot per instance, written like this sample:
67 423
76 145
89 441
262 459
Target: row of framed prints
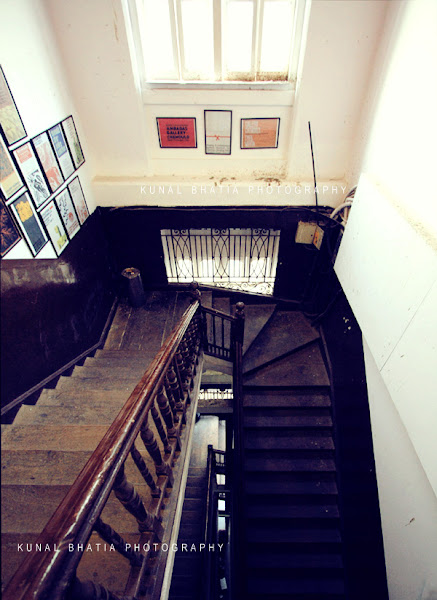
57 221
180 132
35 204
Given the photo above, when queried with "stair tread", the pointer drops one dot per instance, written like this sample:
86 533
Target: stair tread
54 467
78 397
293 535
270 512
257 315
299 421
27 508
291 442
304 368
285 399
290 586
267 463
284 332
279 560
98 414
53 437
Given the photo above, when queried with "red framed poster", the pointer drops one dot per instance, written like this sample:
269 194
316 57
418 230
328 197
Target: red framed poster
177 132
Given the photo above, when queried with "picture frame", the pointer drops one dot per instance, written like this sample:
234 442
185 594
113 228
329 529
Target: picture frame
29 223
54 227
48 162
32 173
9 233
61 150
259 133
10 120
67 211
74 144
10 178
78 199
177 132
218 131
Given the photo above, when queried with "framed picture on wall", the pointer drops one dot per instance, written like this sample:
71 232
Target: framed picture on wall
73 141
67 212
61 150
78 200
177 132
259 133
54 226
9 233
218 131
10 179
32 173
29 223
48 161
10 120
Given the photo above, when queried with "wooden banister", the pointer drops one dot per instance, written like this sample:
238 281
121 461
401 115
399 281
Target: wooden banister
49 575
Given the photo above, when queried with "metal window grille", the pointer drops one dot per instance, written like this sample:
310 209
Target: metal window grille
241 259
215 394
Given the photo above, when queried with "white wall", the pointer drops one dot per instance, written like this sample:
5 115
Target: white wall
30 61
387 265
408 505
121 126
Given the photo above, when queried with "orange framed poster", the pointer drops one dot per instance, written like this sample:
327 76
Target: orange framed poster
177 132
259 133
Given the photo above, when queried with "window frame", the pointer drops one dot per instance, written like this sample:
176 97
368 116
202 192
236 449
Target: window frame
133 11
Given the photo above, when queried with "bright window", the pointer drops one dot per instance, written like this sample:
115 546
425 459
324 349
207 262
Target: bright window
217 41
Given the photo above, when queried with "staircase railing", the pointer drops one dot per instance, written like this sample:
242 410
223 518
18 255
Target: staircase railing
158 411
216 565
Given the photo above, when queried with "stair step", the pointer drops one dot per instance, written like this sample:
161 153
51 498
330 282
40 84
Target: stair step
258 440
277 560
276 487
281 583
191 533
293 422
27 508
54 467
291 535
222 303
102 372
266 463
97 414
194 504
105 382
53 437
285 331
257 316
303 368
300 511
285 399
90 397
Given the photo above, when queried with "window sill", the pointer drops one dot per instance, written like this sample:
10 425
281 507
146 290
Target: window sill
218 94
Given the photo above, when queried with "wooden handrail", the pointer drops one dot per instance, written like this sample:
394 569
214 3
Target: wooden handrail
47 575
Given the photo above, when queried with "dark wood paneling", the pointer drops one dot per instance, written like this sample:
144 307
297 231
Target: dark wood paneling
52 310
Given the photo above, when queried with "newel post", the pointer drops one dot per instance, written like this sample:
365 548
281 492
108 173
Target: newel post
239 324
195 292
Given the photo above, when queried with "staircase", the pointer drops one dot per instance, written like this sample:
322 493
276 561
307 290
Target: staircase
291 543
49 443
291 534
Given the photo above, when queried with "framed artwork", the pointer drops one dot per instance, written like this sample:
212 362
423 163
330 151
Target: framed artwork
259 133
218 131
54 226
78 200
177 132
29 223
67 212
9 233
61 150
10 120
73 141
48 161
10 180
32 173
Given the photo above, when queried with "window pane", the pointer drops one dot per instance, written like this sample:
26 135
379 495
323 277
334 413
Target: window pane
277 29
198 39
157 40
238 24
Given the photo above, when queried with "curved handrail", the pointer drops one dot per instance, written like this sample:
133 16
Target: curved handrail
47 576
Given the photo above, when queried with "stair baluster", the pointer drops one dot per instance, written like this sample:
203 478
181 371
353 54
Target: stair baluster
143 469
160 427
166 412
109 535
161 467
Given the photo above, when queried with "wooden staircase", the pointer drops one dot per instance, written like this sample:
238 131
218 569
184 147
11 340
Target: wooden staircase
49 443
292 542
